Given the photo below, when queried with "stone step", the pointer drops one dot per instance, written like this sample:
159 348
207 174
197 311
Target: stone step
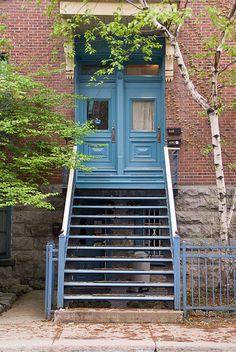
106 315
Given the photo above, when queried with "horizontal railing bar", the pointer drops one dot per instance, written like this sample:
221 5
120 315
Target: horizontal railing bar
220 307
119 248
121 259
119 198
119 207
118 284
210 247
137 297
209 256
121 216
118 271
103 226
112 237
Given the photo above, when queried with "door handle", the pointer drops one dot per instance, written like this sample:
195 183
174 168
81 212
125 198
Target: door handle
159 135
113 135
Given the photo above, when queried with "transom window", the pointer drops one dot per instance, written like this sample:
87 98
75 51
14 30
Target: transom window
142 70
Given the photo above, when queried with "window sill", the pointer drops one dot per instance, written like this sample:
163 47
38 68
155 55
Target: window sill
7 262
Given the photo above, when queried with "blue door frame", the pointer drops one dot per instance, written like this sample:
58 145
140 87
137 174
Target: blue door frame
124 157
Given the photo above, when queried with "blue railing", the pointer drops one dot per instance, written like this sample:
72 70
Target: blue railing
209 277
51 264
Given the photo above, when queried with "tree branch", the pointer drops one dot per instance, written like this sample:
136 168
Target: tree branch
232 208
227 66
182 67
131 3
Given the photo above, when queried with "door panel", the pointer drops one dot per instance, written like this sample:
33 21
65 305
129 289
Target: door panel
142 122
100 108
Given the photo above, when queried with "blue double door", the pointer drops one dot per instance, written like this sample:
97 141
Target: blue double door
126 148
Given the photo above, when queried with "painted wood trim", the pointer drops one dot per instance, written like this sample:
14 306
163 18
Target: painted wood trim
170 193
69 195
103 8
169 62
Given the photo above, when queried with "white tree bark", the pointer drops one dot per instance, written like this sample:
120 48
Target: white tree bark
219 174
232 208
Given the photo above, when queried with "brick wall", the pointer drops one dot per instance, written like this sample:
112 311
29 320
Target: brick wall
183 112
30 31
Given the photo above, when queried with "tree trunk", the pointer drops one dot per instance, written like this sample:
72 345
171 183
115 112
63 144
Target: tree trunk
219 172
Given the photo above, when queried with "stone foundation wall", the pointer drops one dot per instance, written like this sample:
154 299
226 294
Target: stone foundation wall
197 213
197 219
31 229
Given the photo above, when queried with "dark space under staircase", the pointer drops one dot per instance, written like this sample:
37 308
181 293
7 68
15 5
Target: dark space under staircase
119 249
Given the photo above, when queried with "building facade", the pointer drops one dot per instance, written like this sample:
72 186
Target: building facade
137 111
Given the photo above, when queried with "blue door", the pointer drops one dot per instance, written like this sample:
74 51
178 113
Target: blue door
128 113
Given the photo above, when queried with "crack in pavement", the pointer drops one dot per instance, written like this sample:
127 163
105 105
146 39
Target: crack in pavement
58 333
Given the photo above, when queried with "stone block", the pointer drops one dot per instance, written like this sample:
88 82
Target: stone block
84 315
7 300
19 289
22 243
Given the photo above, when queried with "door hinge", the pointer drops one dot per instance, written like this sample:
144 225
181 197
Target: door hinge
113 135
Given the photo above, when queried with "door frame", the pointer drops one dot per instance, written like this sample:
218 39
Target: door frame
120 79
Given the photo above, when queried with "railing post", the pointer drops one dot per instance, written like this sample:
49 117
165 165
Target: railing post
49 280
176 264
184 264
61 266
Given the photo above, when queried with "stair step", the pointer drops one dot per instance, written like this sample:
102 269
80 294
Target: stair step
136 297
118 198
118 271
95 216
117 284
112 237
118 259
119 207
118 226
134 248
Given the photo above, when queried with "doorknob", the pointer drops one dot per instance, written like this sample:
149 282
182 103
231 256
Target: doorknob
113 135
159 135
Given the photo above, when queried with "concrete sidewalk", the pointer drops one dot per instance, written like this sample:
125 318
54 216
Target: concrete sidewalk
23 329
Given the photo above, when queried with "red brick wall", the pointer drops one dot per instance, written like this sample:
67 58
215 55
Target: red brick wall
183 112
30 31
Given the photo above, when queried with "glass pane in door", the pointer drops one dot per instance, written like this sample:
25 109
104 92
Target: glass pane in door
143 115
97 111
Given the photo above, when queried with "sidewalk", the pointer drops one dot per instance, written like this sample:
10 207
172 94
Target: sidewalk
23 329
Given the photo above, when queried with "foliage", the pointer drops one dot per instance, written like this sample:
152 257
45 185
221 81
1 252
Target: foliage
139 34
36 139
